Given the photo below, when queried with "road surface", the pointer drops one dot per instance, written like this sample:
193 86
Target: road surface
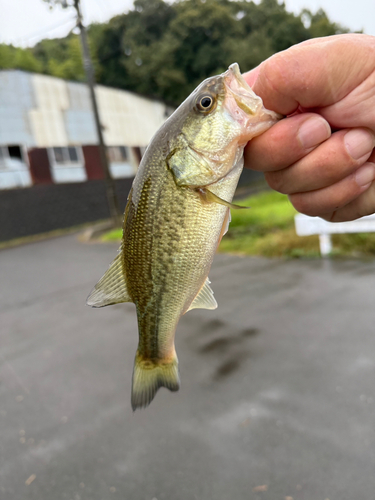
278 384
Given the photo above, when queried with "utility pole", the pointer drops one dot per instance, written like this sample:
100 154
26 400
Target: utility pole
87 63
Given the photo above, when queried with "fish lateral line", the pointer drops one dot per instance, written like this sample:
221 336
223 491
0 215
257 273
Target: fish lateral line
209 197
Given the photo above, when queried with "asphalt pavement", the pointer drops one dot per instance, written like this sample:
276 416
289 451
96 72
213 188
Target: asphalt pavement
277 399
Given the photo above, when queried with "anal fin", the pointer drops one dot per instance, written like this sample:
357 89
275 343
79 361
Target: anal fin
205 298
111 288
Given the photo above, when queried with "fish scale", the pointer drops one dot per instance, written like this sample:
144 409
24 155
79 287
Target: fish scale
174 260
176 214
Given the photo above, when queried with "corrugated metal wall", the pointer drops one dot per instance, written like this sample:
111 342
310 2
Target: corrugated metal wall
127 118
43 111
80 126
39 111
16 99
48 127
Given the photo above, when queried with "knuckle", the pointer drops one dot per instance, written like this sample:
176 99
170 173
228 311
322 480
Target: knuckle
302 204
273 71
276 181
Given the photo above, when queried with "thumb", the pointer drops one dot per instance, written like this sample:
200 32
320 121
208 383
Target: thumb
251 76
313 74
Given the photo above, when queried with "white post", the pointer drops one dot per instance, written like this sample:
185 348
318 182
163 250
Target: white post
325 244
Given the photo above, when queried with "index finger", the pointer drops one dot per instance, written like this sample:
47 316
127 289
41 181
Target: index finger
314 74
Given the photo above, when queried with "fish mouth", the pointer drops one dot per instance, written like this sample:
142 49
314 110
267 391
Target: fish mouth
241 91
249 106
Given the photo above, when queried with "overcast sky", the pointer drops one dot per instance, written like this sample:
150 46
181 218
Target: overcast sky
25 22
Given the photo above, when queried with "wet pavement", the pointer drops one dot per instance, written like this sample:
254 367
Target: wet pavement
278 384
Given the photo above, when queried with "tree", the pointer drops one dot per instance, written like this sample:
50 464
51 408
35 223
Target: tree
319 25
71 67
17 58
7 53
165 49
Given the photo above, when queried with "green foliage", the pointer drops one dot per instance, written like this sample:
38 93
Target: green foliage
63 57
267 228
320 25
26 60
17 58
70 68
164 49
7 53
354 244
250 50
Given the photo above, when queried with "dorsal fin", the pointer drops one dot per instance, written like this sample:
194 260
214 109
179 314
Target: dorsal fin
205 298
111 288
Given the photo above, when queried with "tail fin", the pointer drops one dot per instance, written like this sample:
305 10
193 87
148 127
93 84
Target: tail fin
149 376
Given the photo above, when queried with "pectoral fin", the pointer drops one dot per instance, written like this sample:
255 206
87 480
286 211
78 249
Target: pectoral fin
111 288
205 298
208 196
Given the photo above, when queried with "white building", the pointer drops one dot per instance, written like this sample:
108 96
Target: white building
47 129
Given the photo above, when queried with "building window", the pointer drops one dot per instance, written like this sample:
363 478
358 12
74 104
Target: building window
11 153
73 155
66 155
59 155
118 154
15 152
67 164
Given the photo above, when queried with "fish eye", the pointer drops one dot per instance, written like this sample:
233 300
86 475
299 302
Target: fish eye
205 103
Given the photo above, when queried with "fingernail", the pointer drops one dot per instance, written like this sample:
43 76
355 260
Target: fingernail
313 131
365 174
359 142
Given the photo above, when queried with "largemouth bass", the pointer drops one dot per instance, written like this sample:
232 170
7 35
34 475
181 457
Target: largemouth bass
177 212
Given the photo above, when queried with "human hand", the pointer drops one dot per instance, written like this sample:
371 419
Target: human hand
325 84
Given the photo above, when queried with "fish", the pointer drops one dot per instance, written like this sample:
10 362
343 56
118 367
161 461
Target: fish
178 210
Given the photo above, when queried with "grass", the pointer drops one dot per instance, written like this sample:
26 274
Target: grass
267 229
114 235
